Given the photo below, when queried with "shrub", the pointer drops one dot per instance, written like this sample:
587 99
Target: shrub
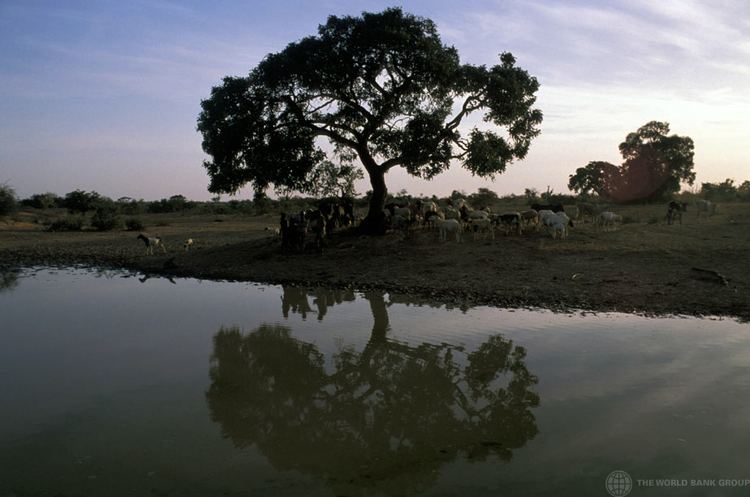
42 201
106 219
133 224
69 223
80 201
7 200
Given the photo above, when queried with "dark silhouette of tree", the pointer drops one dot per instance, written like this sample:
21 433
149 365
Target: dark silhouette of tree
654 165
8 200
597 177
393 412
381 89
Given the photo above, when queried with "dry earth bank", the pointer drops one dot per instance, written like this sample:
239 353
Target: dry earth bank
642 266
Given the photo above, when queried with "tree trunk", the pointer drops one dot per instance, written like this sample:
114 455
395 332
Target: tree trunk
374 222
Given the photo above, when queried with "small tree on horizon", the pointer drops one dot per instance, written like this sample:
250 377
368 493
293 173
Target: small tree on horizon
382 89
654 165
8 201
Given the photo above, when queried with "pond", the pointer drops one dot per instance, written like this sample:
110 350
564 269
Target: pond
117 384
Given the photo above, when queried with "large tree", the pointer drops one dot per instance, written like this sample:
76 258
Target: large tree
654 165
382 89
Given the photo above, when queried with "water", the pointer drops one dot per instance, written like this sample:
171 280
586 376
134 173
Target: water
116 385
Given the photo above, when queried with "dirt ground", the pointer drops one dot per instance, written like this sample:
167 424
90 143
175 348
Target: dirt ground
642 266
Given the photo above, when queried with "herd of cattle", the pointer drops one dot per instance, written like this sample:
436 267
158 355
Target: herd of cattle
456 219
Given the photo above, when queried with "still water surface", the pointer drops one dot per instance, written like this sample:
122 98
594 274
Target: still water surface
111 384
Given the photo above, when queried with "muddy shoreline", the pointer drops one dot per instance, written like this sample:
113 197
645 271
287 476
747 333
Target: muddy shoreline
509 272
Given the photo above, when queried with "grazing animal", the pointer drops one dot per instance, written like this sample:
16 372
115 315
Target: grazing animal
430 218
151 242
586 209
530 218
548 207
452 213
449 226
188 243
705 206
608 219
675 210
482 227
510 221
555 222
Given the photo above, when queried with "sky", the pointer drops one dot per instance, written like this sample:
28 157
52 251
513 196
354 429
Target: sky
104 95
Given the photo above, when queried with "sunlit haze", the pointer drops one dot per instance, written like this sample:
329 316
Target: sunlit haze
104 95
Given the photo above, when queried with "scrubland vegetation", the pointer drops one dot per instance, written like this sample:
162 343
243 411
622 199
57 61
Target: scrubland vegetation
642 265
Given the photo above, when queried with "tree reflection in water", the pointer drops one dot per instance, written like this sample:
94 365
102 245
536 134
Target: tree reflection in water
392 413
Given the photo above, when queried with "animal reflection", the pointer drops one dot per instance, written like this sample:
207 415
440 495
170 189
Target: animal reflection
8 278
296 300
391 413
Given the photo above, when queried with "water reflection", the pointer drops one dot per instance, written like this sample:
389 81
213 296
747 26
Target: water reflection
391 413
296 300
8 278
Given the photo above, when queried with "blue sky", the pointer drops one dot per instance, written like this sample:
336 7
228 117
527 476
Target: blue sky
104 95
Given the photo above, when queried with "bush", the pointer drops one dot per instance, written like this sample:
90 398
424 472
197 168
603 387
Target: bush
106 219
69 223
80 201
7 200
42 201
134 224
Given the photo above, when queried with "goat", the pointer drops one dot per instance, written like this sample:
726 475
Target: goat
675 210
151 242
587 209
188 243
509 221
608 218
530 218
706 206
431 217
482 226
449 226
548 207
555 222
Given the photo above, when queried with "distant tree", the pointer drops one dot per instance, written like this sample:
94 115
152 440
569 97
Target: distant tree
720 191
531 195
81 201
599 177
743 191
8 201
381 88
42 201
261 202
654 165
106 218
483 197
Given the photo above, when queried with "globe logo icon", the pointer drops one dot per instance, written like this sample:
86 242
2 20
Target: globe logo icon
618 483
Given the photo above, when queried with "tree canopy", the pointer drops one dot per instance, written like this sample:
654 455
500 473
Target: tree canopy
8 199
654 165
382 89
